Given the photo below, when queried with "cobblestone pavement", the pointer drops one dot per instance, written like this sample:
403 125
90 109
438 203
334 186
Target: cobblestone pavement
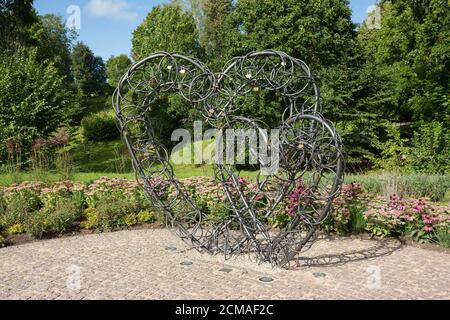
138 265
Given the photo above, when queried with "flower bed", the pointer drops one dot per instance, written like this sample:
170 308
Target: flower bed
39 209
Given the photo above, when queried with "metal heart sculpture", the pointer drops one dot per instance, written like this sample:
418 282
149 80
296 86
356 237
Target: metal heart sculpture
272 218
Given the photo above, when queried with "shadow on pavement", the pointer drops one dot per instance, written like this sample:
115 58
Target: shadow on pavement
379 249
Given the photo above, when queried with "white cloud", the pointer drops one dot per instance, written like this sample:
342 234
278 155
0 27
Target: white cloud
117 9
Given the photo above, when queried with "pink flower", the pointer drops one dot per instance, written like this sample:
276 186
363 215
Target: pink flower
408 218
427 220
428 228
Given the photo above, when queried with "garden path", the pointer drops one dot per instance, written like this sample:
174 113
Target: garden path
139 265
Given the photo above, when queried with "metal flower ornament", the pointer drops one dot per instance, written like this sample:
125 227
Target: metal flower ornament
273 217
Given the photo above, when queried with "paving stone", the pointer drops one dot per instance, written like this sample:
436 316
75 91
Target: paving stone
135 265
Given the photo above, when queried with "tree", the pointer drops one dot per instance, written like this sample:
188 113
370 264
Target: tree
196 7
33 101
216 13
318 31
16 18
166 28
54 42
116 67
411 47
396 80
88 70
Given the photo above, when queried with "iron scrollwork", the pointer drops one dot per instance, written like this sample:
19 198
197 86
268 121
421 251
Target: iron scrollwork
310 161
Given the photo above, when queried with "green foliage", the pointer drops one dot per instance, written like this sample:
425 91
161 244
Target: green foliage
357 220
392 152
279 220
418 235
113 211
431 148
319 32
429 186
147 216
379 229
347 215
16 19
60 216
217 211
3 206
91 218
410 47
356 98
166 28
19 206
54 41
216 13
114 207
35 224
16 229
33 100
443 237
89 71
129 220
2 241
101 126
116 67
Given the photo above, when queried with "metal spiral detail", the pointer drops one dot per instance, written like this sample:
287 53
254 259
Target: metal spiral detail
272 218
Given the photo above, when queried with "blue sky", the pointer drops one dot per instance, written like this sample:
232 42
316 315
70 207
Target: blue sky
107 25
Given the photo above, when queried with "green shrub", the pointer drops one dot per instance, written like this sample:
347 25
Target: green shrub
443 236
217 211
347 214
431 149
61 217
18 206
15 229
57 216
35 224
91 219
51 199
129 220
101 126
113 210
279 220
357 220
147 216
379 229
34 98
391 151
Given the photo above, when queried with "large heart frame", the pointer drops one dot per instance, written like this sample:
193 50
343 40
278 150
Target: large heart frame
310 156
